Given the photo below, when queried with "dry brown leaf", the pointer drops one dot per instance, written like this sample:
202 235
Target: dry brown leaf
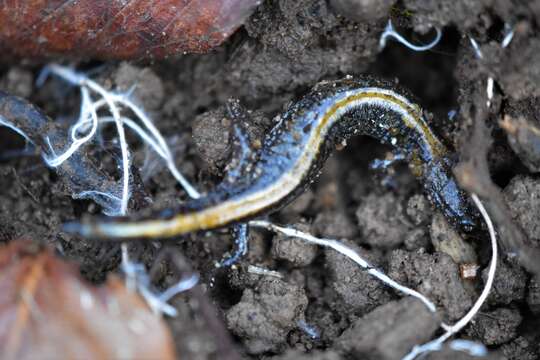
128 29
48 312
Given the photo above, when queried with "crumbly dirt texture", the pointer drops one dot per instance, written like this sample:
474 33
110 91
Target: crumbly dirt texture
315 303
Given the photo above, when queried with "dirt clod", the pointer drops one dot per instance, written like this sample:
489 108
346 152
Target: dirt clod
265 315
362 10
509 284
461 13
522 348
419 209
416 239
447 240
316 355
533 296
335 225
523 198
434 275
381 220
496 327
18 81
357 290
297 252
383 333
211 134
518 76
524 138
147 87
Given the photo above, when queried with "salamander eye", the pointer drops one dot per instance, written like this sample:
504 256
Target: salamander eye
466 221
467 225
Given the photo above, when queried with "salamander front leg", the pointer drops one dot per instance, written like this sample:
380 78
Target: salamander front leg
240 233
242 154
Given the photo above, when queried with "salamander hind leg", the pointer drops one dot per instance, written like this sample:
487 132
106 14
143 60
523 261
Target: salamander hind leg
243 155
241 235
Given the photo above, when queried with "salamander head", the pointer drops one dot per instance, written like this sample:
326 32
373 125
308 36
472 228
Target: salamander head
444 192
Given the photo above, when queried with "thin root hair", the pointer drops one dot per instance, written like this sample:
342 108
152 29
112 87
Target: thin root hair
390 32
348 252
436 344
137 278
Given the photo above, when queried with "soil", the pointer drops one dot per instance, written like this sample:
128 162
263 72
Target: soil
320 305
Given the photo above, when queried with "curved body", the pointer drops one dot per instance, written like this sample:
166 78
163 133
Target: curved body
294 152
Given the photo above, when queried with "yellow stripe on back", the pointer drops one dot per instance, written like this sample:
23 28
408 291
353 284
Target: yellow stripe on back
240 208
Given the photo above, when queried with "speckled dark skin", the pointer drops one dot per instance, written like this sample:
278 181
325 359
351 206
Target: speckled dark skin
305 135
435 173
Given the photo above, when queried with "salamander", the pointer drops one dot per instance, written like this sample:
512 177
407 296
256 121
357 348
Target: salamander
293 153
